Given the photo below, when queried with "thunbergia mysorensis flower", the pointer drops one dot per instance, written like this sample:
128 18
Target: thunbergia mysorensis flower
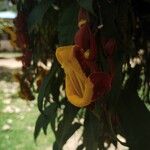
84 80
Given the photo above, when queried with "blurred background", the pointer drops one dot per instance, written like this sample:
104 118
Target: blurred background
17 116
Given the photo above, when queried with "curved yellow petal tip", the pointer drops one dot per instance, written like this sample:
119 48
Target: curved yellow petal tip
62 53
79 88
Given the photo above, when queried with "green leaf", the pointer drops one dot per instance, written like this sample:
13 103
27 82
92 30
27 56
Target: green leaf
36 16
87 4
56 83
67 133
71 131
67 23
38 126
43 120
91 130
65 127
45 85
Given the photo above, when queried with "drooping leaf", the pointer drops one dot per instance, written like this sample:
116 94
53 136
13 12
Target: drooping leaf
67 22
58 145
45 85
65 127
36 16
43 120
71 130
38 126
56 82
91 128
87 4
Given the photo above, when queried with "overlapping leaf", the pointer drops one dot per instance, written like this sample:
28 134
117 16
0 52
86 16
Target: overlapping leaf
65 128
44 89
43 120
36 16
87 4
67 24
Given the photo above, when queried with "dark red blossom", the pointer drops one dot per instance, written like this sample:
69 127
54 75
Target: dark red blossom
102 84
87 65
109 46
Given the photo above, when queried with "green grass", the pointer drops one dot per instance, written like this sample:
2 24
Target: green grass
21 122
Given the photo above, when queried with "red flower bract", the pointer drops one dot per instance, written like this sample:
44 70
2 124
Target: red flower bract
102 84
109 45
87 65
85 82
86 40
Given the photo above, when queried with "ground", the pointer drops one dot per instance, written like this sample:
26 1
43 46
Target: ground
17 117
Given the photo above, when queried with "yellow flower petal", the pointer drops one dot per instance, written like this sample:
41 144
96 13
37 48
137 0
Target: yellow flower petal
79 88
